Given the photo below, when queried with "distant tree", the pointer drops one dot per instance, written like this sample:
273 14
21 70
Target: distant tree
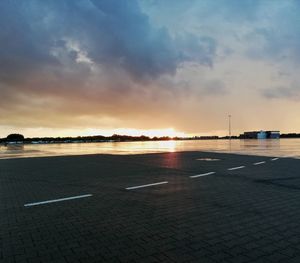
144 138
14 137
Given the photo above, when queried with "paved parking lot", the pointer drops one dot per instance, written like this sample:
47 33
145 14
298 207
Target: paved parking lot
169 207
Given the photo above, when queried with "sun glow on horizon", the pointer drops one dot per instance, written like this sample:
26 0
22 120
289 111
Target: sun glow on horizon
50 132
170 132
86 68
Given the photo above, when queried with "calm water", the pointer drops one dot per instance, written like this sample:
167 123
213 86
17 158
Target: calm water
282 147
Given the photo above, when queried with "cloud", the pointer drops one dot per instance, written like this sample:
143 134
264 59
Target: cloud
146 63
247 22
214 87
275 35
65 60
291 92
113 34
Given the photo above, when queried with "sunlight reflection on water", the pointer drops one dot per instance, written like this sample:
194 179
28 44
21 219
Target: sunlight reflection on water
282 147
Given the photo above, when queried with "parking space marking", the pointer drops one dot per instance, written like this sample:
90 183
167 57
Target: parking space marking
57 200
236 168
200 175
274 159
145 185
140 186
258 163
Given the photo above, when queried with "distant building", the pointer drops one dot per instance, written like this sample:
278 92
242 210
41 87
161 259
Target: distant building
249 135
260 135
273 134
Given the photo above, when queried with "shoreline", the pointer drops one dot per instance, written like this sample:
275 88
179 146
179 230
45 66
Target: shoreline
5 144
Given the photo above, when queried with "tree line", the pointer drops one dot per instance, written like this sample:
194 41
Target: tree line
96 138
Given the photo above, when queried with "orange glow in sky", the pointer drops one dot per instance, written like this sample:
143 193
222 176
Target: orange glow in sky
133 68
137 132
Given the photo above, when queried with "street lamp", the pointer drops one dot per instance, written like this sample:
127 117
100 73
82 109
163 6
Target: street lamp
229 120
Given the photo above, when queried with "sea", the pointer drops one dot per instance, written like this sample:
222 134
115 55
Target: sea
268 147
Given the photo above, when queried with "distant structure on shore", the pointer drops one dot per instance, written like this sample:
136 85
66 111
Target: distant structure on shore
260 135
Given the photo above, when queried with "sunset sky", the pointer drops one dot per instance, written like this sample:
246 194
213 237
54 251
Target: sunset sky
153 67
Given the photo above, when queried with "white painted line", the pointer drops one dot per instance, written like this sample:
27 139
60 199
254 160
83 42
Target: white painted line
199 175
274 159
258 163
145 185
58 200
236 168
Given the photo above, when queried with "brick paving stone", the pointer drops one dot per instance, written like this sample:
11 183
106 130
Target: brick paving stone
248 215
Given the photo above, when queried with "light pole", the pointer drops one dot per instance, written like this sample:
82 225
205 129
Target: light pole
229 120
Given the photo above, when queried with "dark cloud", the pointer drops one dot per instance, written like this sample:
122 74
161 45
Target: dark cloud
114 34
23 49
228 10
194 49
66 59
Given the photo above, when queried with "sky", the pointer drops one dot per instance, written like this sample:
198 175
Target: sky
153 67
